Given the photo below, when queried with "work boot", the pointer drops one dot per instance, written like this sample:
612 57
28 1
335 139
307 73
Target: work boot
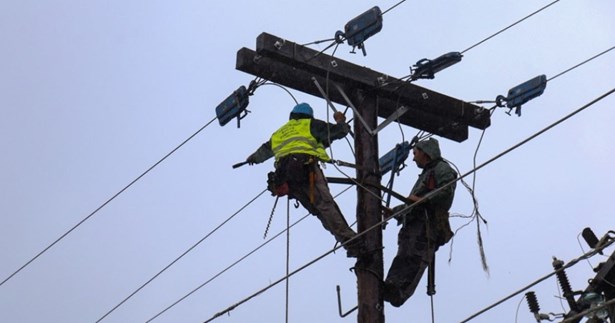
392 294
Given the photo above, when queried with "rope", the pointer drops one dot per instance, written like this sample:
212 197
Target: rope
178 258
519 21
287 251
568 265
379 224
104 204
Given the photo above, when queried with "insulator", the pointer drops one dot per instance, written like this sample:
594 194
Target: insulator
590 237
562 278
532 302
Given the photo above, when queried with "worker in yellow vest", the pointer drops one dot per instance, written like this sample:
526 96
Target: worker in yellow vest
298 147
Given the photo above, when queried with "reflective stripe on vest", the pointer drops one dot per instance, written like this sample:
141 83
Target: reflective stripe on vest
295 137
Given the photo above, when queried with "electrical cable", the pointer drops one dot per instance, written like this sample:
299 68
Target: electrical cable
236 262
379 224
583 250
501 31
518 307
566 266
582 63
393 7
104 204
180 256
283 88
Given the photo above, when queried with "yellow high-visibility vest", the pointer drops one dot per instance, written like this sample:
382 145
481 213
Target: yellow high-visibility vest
295 137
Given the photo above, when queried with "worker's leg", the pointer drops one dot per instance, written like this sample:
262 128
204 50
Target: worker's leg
329 212
414 254
317 200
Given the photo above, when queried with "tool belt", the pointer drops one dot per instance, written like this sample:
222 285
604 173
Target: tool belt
294 169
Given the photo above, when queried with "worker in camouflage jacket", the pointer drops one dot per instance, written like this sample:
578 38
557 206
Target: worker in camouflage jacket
298 147
425 225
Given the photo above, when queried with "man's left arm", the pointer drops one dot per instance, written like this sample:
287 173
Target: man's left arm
327 132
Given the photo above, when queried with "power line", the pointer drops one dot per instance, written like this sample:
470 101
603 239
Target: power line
104 204
568 265
393 7
178 258
379 224
516 23
237 262
582 63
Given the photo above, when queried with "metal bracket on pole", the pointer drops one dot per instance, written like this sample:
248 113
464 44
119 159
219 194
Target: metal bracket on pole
339 304
395 115
329 103
398 113
324 95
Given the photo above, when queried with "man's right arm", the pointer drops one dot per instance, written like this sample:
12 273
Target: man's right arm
263 153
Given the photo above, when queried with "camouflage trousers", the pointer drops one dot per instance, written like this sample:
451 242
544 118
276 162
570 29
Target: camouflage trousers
415 252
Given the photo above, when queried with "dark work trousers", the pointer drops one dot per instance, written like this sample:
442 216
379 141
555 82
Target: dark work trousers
323 206
414 254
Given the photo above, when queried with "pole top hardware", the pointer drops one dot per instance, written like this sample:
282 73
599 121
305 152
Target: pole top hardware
359 29
523 93
427 68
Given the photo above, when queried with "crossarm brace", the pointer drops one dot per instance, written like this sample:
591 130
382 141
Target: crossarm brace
394 116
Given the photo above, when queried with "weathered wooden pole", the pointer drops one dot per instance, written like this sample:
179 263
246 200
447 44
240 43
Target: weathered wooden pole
369 267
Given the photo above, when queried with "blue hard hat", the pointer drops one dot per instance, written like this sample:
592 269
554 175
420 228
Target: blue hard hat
303 108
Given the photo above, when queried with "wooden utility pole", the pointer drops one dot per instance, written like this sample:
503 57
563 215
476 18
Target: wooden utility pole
369 267
372 94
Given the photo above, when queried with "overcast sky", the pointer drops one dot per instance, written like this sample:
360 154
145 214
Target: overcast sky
93 93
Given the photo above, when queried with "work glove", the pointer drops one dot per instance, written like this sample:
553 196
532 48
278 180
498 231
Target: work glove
339 117
251 160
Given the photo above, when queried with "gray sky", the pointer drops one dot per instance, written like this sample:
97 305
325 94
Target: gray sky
94 93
